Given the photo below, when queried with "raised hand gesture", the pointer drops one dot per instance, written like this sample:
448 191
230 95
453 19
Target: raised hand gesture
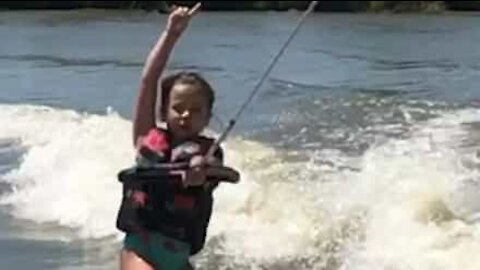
180 17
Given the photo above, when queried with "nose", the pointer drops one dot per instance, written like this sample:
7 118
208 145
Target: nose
185 117
185 114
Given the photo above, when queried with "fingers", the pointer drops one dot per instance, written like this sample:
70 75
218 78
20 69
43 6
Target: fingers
195 9
197 161
179 10
186 11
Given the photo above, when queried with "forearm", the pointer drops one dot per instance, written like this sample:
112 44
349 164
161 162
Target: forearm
158 57
144 114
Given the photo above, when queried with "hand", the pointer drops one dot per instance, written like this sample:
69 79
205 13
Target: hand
196 175
180 17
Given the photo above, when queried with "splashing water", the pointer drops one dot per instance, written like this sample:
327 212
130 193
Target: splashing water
67 175
419 200
412 203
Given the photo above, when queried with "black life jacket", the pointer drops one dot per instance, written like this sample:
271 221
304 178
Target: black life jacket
156 201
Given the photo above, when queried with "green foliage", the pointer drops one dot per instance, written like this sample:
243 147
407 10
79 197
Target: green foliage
407 6
463 5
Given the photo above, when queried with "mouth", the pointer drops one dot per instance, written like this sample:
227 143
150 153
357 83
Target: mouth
184 128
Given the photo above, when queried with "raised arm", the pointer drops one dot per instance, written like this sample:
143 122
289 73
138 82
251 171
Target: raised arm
144 116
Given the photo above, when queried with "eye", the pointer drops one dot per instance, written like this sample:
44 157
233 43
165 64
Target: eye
195 109
178 108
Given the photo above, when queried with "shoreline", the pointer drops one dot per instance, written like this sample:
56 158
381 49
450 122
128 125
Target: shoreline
214 6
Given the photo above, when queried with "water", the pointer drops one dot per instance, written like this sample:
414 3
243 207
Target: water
360 152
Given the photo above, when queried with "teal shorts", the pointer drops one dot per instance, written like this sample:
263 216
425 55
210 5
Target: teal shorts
162 252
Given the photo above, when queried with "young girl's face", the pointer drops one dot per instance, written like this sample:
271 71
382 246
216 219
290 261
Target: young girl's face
188 111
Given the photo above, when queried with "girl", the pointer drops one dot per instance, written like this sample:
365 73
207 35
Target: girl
172 222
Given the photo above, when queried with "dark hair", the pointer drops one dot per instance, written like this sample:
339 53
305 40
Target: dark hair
189 78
